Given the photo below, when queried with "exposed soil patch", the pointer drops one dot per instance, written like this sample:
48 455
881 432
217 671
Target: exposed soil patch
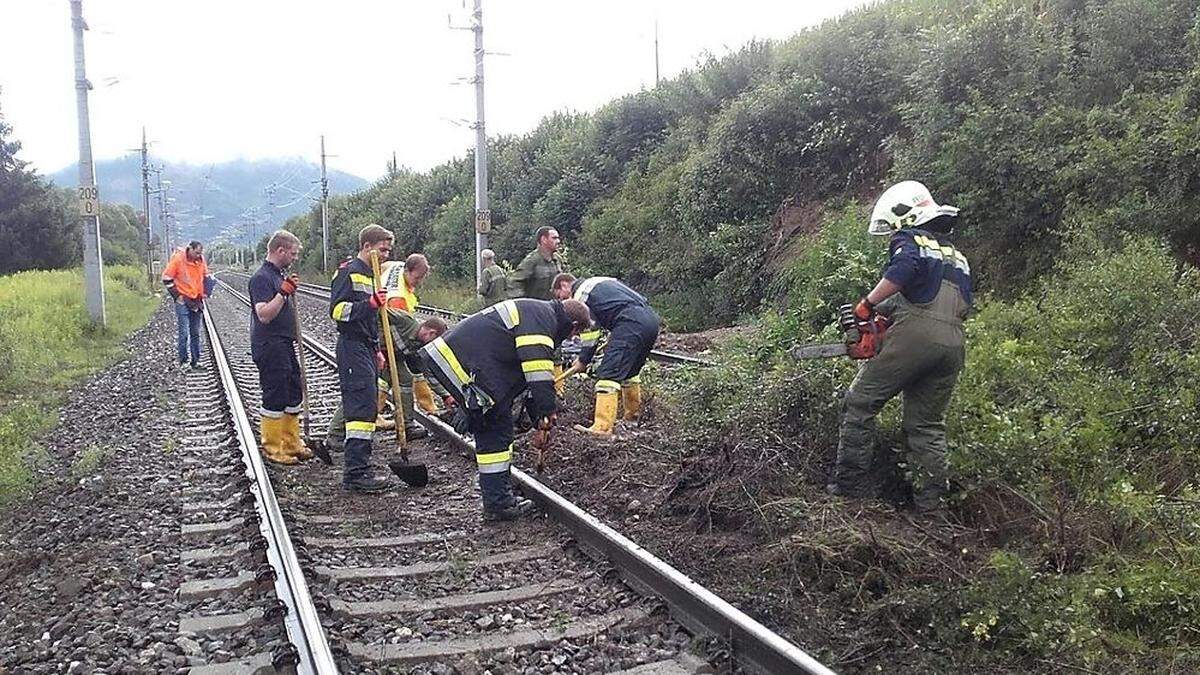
853 583
700 342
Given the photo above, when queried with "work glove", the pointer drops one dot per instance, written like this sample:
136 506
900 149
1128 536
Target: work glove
541 434
460 421
380 362
289 285
450 402
864 310
378 299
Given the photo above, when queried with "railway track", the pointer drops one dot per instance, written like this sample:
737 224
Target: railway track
413 581
322 292
246 583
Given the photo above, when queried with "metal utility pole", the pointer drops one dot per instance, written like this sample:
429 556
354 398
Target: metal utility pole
89 196
146 210
324 211
160 193
483 214
656 52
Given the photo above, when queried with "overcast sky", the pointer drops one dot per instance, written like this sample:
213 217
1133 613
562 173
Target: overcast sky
215 80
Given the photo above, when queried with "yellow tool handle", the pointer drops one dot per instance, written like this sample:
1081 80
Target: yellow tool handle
576 368
303 368
401 440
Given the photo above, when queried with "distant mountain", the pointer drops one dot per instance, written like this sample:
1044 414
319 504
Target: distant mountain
240 198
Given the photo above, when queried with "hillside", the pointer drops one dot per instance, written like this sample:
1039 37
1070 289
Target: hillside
212 198
1028 114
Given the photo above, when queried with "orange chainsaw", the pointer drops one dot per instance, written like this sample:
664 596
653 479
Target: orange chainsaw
863 338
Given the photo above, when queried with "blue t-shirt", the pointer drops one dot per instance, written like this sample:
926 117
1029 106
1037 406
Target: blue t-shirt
919 261
264 286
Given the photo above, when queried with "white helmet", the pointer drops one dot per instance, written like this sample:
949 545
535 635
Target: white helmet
906 204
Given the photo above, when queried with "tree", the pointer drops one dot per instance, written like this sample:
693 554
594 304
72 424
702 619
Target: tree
35 228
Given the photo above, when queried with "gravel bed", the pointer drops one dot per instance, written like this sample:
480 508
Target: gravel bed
590 599
462 579
89 563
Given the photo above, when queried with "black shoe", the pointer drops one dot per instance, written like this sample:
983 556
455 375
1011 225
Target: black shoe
414 432
199 366
321 450
513 511
335 445
368 484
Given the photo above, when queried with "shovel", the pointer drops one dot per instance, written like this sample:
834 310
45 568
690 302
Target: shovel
414 475
317 448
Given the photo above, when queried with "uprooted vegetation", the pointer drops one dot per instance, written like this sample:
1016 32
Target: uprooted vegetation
1073 433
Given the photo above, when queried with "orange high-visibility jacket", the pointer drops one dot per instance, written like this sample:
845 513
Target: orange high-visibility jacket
185 276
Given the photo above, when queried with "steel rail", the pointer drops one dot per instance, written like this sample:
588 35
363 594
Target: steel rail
319 291
754 645
301 620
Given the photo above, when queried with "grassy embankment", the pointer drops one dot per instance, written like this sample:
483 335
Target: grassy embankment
46 345
1073 441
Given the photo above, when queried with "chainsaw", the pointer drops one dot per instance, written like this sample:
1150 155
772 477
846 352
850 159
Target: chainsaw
863 338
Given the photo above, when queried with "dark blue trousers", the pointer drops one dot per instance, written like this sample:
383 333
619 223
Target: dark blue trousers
357 377
189 323
629 344
278 376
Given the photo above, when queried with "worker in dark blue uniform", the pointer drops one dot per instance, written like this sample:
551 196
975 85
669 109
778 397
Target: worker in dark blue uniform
633 329
485 362
926 291
272 346
354 304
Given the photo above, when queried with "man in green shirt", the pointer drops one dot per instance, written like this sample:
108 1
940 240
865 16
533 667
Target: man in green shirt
493 284
532 277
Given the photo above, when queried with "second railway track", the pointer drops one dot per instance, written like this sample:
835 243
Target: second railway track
321 293
413 581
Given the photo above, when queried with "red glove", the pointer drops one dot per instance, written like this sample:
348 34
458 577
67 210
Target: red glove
450 402
380 362
289 285
864 310
378 299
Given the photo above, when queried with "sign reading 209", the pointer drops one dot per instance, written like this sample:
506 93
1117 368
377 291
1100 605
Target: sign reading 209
89 200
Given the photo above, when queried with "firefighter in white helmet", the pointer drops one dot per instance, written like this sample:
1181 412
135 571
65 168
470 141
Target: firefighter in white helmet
926 291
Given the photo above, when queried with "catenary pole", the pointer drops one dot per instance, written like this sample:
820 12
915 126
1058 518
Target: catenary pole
146 210
483 214
656 52
324 211
89 200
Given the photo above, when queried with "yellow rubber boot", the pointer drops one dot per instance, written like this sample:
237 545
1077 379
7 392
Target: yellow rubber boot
560 385
631 398
382 423
273 442
292 441
423 395
606 415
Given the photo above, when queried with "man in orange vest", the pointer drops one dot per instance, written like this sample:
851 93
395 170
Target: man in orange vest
189 283
402 282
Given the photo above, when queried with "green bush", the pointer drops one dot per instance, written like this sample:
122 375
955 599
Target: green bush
1073 432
